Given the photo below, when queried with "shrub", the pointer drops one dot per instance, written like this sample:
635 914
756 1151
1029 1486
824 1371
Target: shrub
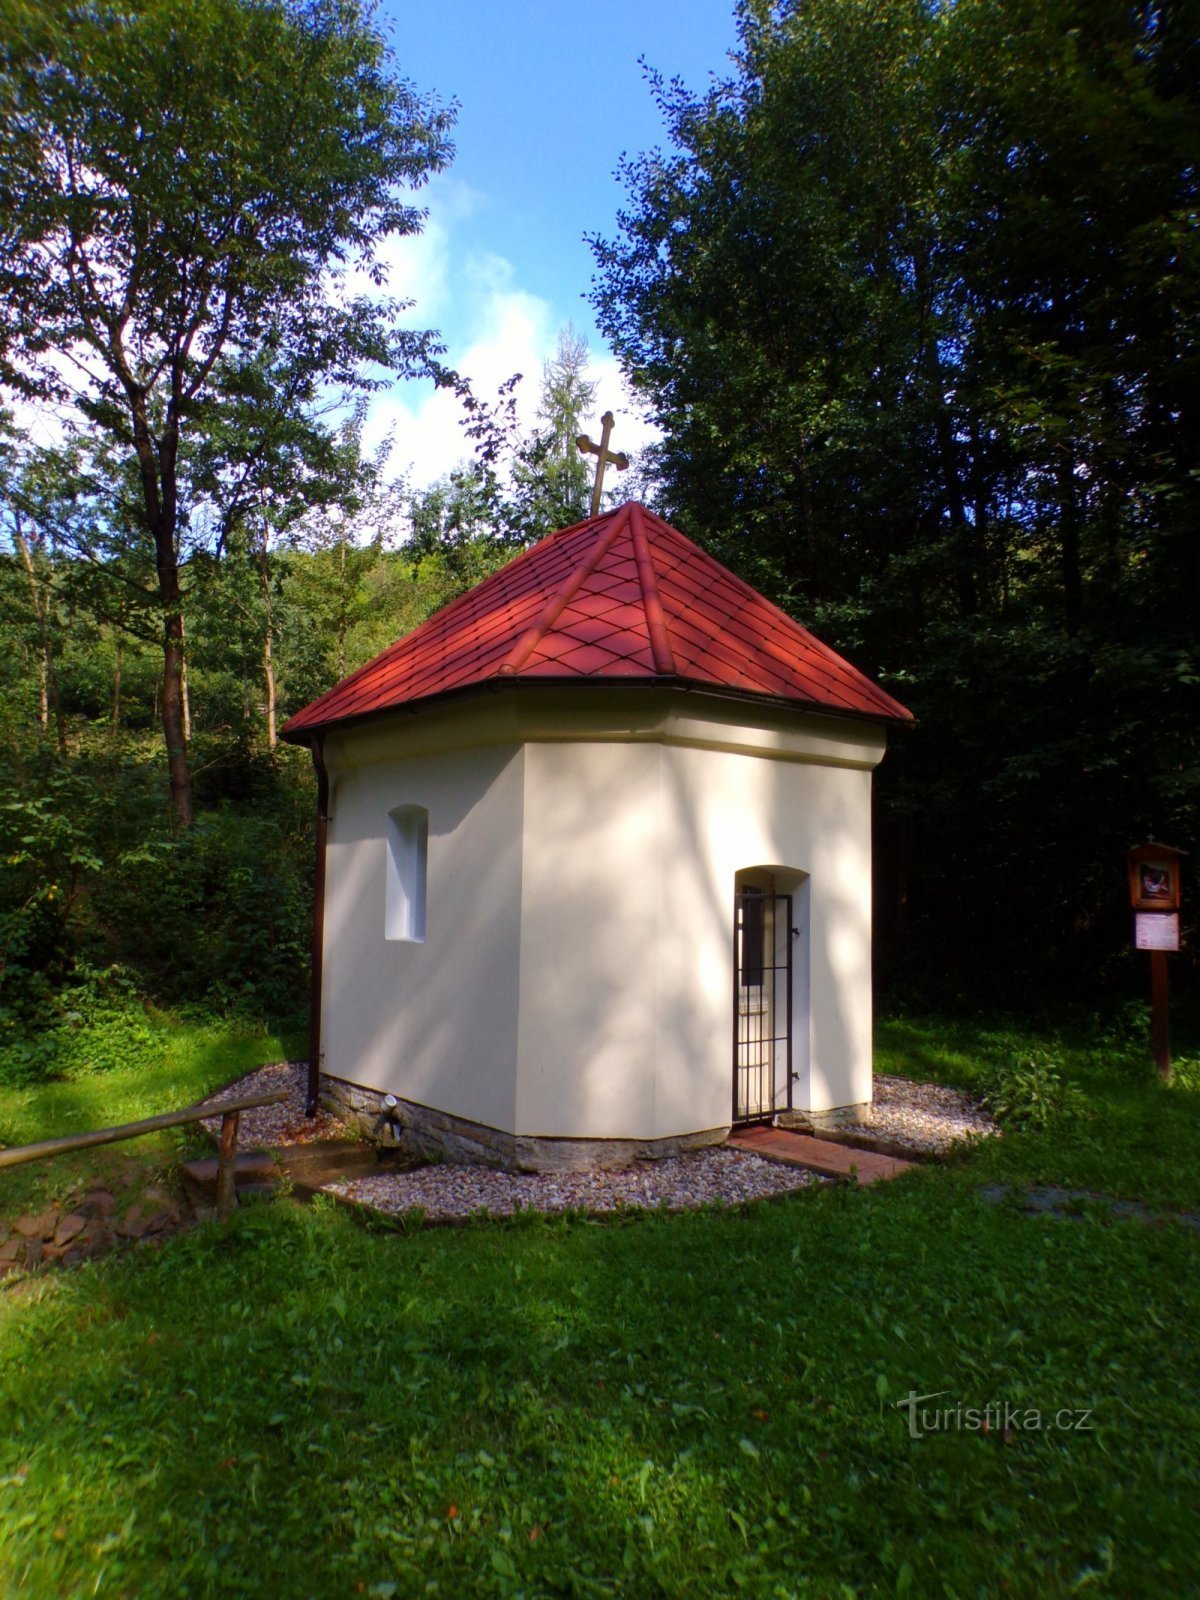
96 1023
1030 1091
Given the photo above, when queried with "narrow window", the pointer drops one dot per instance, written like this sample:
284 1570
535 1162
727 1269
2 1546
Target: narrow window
407 861
753 929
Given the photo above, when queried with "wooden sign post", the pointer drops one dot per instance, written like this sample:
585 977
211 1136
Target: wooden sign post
1153 871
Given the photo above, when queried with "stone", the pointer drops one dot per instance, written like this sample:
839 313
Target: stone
69 1227
438 1135
97 1203
40 1227
95 1239
10 1249
250 1167
133 1224
160 1221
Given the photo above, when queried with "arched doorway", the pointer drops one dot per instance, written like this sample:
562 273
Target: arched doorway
770 989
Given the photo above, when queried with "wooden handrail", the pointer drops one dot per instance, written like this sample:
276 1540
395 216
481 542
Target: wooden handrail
227 1110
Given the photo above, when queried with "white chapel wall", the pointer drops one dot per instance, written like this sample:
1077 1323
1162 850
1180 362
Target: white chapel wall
433 1021
738 811
591 938
630 855
576 979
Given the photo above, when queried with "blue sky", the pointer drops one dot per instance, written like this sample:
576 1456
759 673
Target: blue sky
550 96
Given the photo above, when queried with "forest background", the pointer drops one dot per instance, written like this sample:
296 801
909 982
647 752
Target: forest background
912 296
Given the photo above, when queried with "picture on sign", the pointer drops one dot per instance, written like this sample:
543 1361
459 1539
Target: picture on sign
1156 930
1153 877
1155 882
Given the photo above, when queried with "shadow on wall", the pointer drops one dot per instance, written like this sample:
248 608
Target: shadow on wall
581 906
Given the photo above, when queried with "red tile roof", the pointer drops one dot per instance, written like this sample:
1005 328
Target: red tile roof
623 597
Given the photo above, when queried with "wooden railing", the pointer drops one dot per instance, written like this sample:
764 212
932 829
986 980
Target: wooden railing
228 1111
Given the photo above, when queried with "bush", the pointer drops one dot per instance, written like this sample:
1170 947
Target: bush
1030 1091
96 1023
222 913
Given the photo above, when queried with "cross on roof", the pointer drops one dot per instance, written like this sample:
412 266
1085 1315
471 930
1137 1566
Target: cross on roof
603 456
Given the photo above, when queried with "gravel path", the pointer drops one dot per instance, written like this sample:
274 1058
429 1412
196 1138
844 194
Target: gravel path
269 1127
454 1193
927 1117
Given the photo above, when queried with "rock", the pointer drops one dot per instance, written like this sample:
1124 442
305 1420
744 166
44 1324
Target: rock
160 1221
97 1203
95 1239
40 1227
11 1248
69 1227
133 1224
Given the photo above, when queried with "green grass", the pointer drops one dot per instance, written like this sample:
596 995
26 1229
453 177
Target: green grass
700 1405
193 1059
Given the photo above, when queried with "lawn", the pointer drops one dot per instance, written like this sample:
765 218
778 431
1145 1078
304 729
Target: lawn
191 1059
653 1406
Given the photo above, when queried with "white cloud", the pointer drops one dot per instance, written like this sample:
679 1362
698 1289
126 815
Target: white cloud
506 330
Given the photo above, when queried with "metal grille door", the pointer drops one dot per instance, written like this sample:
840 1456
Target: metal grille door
762 1004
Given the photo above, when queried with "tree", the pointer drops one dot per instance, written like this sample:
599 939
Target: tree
565 398
186 188
911 297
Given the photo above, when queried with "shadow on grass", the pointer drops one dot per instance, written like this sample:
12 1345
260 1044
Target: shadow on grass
700 1404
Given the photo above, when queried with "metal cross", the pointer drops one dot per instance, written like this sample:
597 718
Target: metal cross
603 456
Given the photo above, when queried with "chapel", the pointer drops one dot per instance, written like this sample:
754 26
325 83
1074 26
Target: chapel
594 863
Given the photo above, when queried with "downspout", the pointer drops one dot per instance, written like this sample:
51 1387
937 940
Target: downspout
318 928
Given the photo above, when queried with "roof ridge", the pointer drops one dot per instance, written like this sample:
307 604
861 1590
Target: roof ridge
566 591
624 598
656 622
826 650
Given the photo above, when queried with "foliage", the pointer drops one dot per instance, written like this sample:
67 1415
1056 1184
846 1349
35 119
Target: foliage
188 1057
91 870
1031 1092
656 1405
188 186
95 1023
559 471
240 881
912 298
519 485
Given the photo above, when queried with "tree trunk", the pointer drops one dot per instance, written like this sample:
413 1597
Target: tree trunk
172 709
264 574
48 685
1072 575
158 469
116 703
183 690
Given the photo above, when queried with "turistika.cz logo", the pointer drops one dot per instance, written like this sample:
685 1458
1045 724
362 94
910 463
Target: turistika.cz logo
1004 1417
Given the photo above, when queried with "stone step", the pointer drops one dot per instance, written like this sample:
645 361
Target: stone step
251 1169
306 1167
311 1165
819 1155
796 1122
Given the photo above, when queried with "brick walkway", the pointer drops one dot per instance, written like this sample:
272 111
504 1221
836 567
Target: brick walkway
822 1155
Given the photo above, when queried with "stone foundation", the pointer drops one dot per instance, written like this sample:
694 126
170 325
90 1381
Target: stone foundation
815 1121
438 1135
